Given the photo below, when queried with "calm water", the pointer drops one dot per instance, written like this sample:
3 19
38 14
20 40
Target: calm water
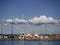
18 42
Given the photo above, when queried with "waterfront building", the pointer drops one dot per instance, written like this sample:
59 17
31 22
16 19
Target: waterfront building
0 36
46 37
41 37
21 37
16 37
57 36
5 37
35 36
28 37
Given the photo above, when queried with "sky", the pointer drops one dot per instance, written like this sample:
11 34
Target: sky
29 8
32 10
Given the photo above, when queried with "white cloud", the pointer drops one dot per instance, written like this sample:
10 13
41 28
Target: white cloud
50 20
16 20
9 20
56 21
35 20
59 20
43 19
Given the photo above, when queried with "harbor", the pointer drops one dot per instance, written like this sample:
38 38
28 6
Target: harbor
29 22
30 36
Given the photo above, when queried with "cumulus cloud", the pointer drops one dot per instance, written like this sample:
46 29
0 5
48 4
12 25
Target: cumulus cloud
16 20
59 20
35 20
20 20
43 19
9 20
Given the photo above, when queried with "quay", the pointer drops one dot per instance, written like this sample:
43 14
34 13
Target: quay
30 36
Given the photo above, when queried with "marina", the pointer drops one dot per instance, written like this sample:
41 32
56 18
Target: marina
29 22
30 36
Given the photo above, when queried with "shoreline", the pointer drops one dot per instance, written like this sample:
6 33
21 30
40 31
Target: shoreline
30 37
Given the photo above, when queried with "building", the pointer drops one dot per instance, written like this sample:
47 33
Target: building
21 36
41 37
28 37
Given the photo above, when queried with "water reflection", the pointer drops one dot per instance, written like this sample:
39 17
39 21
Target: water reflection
25 42
35 42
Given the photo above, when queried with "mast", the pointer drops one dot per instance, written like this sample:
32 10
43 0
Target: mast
45 28
12 36
1 30
22 23
33 29
23 31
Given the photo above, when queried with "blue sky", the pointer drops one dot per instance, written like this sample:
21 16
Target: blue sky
28 9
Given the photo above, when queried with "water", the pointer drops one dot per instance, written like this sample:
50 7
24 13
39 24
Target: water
36 42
